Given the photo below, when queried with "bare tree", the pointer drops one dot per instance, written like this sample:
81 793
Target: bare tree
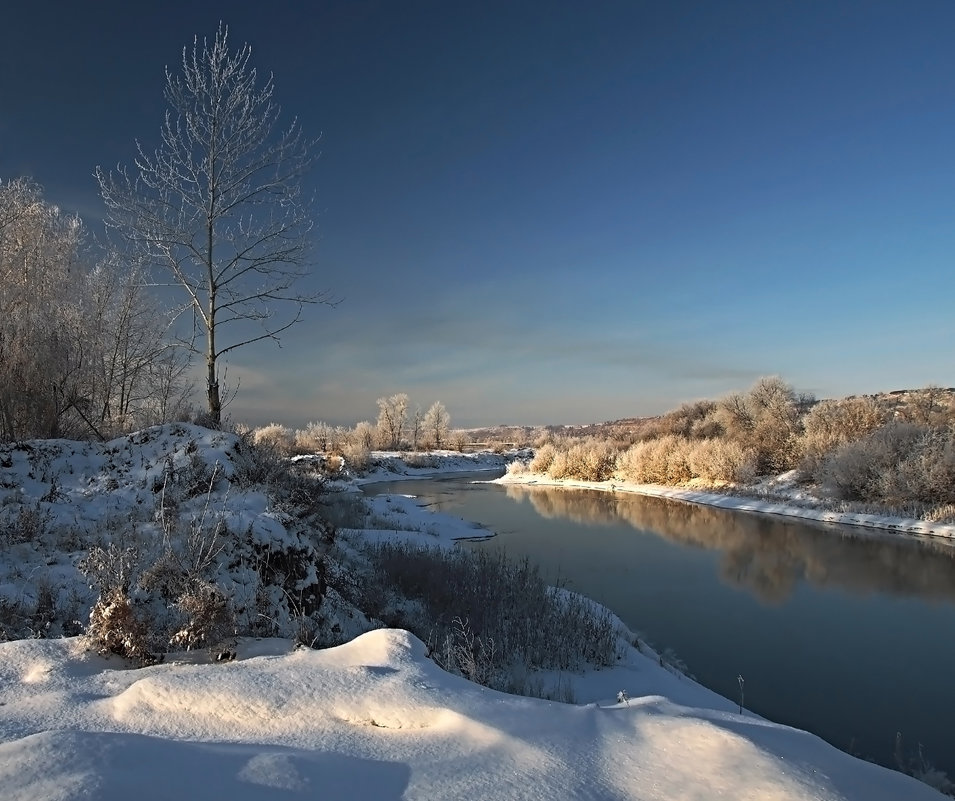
218 209
437 425
392 416
416 427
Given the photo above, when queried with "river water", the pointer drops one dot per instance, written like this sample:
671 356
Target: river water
842 632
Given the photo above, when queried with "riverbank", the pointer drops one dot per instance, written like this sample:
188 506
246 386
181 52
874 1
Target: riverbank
626 576
808 508
374 717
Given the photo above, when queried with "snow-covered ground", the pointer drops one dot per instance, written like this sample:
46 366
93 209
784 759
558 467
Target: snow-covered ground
373 718
786 500
376 719
394 466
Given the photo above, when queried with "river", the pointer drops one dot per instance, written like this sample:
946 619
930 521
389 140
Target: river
846 633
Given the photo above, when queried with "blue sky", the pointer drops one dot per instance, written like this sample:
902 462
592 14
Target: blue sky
558 212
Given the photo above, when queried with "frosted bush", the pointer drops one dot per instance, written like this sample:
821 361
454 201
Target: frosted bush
585 460
303 442
687 419
210 619
930 406
482 613
646 462
118 627
543 458
765 420
926 475
831 424
864 470
678 461
274 435
364 435
356 456
321 434
722 461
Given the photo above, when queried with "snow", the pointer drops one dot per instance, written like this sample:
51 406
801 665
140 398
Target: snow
373 718
395 465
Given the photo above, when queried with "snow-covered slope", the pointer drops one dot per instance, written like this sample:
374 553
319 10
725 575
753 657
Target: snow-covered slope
376 719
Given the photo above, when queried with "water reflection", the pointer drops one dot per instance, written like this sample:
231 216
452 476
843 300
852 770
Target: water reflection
764 555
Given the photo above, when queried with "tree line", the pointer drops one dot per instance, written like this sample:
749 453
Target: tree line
398 428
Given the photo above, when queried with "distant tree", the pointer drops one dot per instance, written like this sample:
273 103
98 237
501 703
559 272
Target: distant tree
321 433
437 425
929 406
217 209
416 427
392 416
363 435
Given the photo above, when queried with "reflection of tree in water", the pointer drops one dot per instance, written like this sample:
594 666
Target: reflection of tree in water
765 555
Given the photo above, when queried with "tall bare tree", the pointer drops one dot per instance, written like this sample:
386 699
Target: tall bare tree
218 208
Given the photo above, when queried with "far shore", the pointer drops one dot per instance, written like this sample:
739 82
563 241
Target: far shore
900 525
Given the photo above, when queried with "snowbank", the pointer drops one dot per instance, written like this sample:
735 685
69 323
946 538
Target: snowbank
376 719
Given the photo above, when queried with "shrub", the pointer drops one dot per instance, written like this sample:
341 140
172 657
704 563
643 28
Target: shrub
543 458
831 424
276 436
930 406
766 421
861 470
357 457
458 440
646 462
687 420
118 627
926 475
363 435
256 463
517 467
484 614
722 461
210 619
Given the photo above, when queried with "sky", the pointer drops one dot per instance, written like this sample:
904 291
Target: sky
558 212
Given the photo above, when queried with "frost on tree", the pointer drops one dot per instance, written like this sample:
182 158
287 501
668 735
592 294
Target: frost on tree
217 210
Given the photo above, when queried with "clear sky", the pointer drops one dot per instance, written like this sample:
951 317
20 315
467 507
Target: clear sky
566 212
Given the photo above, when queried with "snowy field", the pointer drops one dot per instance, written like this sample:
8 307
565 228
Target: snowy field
373 718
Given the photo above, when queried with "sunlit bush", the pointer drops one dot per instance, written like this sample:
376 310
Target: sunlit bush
274 435
587 460
543 458
722 461
831 424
